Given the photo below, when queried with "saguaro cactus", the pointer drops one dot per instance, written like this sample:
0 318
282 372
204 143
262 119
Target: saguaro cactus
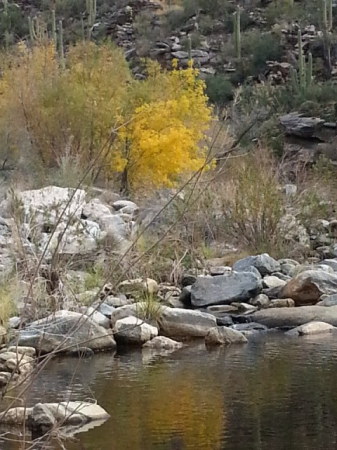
61 45
309 71
327 15
91 7
302 79
237 32
189 47
37 29
53 27
330 15
301 60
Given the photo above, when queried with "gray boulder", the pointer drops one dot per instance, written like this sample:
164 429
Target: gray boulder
297 125
224 336
97 316
64 331
176 322
264 263
225 289
293 317
308 286
328 300
261 301
133 331
330 262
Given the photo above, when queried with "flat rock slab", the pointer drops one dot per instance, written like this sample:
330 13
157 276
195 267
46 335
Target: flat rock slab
224 336
311 328
183 323
225 289
294 317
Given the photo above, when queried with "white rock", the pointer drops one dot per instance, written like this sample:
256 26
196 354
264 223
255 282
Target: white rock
134 331
163 342
272 282
97 317
46 204
95 209
119 204
65 413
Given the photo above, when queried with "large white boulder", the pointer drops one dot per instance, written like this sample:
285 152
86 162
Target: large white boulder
46 204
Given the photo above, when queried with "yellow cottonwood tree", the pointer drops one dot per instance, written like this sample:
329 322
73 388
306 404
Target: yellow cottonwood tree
163 138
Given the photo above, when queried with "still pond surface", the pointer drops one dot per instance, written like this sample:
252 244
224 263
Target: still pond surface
275 393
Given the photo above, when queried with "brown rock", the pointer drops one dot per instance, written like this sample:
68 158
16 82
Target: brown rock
307 287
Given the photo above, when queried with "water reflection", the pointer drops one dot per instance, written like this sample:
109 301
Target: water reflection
274 393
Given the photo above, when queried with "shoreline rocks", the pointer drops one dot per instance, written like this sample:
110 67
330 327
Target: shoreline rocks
44 416
65 331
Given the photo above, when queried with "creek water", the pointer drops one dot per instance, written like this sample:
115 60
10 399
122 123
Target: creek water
274 393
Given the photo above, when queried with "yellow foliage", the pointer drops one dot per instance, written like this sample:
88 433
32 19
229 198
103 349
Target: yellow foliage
149 131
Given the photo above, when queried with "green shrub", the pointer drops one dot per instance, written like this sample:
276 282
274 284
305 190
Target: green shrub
219 90
260 48
215 8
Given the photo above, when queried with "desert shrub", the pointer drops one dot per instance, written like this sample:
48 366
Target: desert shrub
94 278
260 48
253 206
215 8
206 24
147 32
289 10
148 308
175 19
13 23
219 89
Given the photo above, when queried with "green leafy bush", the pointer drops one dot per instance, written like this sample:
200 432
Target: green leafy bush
219 90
